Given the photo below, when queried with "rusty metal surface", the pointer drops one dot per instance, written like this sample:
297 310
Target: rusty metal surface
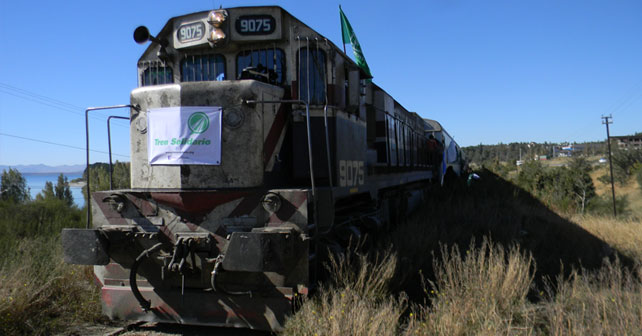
84 247
205 308
263 251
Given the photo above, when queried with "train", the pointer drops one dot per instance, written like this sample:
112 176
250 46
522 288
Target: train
258 148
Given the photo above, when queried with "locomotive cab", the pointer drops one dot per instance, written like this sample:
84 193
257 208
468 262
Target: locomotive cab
217 59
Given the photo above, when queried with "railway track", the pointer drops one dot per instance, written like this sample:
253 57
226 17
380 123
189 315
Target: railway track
163 329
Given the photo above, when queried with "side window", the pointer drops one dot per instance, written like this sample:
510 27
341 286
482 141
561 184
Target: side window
156 74
203 68
312 75
266 65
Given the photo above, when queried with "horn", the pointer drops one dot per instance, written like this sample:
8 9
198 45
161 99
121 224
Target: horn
141 35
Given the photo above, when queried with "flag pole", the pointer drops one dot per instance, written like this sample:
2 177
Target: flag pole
342 33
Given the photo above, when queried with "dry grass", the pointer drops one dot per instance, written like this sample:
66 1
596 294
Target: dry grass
631 190
483 291
480 293
355 302
472 286
608 302
624 235
40 295
501 288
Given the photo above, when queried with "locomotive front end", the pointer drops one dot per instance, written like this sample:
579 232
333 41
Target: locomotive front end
212 231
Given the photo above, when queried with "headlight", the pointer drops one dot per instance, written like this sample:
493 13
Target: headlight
217 17
216 35
233 118
271 202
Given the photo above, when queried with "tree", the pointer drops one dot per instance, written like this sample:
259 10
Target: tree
62 190
47 193
579 175
13 187
624 164
532 176
99 175
565 188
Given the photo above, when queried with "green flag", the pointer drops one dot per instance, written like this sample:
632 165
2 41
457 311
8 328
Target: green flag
350 37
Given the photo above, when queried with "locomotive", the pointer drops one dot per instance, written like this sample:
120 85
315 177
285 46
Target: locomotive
257 146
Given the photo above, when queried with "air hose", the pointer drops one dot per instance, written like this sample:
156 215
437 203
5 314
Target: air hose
145 304
219 261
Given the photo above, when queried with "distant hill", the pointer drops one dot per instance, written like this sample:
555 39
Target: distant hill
41 168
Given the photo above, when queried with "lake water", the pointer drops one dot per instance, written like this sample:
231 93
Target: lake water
36 182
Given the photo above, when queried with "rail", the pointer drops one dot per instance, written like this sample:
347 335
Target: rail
111 169
137 108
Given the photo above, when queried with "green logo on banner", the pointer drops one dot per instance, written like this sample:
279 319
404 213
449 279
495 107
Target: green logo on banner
198 122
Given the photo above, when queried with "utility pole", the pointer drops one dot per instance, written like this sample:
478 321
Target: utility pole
606 122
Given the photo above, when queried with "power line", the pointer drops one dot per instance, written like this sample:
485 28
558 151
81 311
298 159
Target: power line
59 144
48 101
42 102
627 98
39 96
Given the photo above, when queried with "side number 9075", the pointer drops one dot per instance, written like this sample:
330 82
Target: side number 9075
255 25
191 32
351 173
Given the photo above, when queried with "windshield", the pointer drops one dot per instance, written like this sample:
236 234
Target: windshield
267 65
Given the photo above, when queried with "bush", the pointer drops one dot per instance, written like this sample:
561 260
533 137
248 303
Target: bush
603 205
566 189
44 218
625 163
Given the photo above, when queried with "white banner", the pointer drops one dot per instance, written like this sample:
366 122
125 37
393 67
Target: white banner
184 135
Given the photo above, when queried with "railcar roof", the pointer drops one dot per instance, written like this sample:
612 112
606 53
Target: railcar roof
433 125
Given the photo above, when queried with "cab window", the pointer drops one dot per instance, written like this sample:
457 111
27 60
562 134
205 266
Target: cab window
197 68
157 75
266 65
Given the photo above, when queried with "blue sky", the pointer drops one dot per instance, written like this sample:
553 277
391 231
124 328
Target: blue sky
489 71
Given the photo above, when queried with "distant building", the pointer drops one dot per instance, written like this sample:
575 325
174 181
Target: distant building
627 142
570 150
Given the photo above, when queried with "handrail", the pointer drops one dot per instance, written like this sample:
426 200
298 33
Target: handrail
111 170
137 108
